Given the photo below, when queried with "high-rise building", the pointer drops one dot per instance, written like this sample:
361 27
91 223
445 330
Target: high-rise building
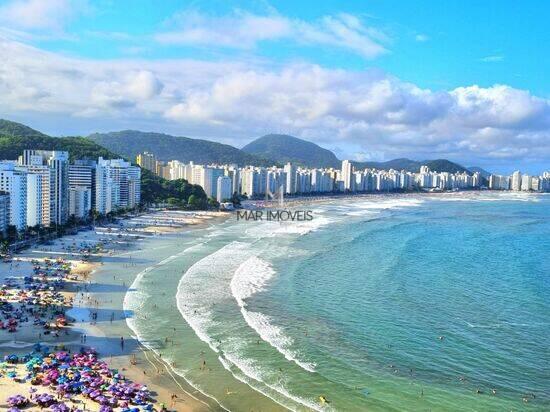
234 173
147 161
176 170
38 194
207 177
223 191
545 182
117 185
4 213
80 202
290 171
497 182
134 187
34 199
516 181
81 188
82 176
14 182
58 163
347 175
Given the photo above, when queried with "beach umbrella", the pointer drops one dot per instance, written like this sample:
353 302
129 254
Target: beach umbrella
60 407
17 401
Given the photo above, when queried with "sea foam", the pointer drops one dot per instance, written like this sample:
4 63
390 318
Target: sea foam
251 277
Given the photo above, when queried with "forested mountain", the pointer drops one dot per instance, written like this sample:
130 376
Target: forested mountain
166 147
438 165
16 137
284 148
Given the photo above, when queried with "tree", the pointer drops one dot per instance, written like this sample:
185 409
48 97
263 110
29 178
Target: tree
194 201
12 233
4 247
213 203
235 199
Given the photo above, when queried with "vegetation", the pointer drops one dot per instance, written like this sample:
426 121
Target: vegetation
13 144
166 147
177 193
439 165
283 148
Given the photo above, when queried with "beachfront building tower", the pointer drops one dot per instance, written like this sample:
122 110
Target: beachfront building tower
347 176
80 202
14 182
223 192
58 164
117 185
290 171
516 181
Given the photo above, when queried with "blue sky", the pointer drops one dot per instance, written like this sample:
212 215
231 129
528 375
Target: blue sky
435 44
371 80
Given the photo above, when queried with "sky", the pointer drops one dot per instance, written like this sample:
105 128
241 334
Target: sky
370 80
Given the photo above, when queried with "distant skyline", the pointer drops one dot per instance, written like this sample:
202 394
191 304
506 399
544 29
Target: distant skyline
462 80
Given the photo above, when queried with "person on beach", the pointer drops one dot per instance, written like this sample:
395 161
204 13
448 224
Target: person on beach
173 399
122 343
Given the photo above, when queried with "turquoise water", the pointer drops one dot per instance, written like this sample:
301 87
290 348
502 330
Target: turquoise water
382 303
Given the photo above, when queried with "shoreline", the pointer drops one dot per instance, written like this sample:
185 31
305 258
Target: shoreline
135 361
139 361
305 200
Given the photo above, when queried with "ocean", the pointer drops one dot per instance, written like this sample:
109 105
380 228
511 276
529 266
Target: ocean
395 302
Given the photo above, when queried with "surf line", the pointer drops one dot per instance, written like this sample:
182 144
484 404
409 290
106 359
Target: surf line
168 369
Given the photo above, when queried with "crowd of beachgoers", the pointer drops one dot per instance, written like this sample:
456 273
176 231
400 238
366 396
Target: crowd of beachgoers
46 363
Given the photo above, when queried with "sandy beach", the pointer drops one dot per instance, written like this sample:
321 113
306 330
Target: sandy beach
93 322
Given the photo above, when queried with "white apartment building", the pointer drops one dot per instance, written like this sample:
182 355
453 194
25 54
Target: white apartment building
223 191
117 185
498 182
58 164
545 182
39 197
80 202
14 182
208 179
347 175
516 181
290 171
34 199
82 188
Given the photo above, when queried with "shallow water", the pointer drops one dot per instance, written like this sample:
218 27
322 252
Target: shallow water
381 302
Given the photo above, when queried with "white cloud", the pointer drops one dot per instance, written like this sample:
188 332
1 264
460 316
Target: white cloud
39 14
368 111
243 30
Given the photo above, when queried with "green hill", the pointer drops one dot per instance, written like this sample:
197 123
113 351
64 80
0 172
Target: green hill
283 148
166 147
438 165
15 137
396 164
